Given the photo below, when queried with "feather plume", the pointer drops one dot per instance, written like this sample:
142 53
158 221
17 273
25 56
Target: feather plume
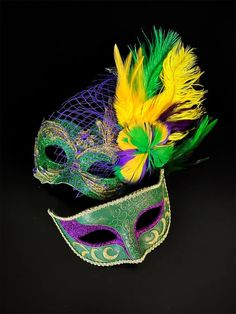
179 76
157 95
142 146
130 93
154 53
184 150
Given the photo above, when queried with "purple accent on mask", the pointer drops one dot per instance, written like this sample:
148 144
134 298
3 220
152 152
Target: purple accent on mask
159 204
74 166
101 167
76 230
85 136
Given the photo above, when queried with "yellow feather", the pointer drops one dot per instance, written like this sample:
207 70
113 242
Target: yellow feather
123 105
179 76
132 170
138 88
130 92
128 62
136 70
123 140
190 114
176 136
162 129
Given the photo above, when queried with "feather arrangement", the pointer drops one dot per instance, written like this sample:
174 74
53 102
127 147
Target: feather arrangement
158 105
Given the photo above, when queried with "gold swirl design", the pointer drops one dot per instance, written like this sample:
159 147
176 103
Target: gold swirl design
54 130
154 238
85 250
93 251
93 255
155 234
107 256
46 176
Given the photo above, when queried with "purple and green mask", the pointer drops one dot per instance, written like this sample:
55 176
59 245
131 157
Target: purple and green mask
121 231
108 140
77 145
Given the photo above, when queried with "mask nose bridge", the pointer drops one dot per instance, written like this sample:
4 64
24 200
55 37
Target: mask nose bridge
131 243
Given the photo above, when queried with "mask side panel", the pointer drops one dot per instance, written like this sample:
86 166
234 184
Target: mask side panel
156 235
97 255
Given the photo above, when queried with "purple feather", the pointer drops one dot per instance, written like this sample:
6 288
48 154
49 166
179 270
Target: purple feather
125 156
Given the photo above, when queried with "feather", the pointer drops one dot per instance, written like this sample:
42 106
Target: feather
134 169
123 92
140 147
158 103
154 53
161 156
130 93
179 77
183 151
176 136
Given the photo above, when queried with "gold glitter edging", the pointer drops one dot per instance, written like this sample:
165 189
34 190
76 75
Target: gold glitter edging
137 261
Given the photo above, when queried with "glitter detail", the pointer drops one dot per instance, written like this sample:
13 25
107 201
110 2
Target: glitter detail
161 204
76 230
83 135
121 214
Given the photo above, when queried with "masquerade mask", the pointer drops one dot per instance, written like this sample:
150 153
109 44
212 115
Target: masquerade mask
121 231
77 146
145 117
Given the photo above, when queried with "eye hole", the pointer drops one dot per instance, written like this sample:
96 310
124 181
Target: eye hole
56 154
98 236
102 169
148 218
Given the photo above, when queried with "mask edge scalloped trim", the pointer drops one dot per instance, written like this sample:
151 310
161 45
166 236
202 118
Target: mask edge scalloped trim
137 261
126 261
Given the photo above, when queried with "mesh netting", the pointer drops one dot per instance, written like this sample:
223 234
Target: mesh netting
88 105
79 115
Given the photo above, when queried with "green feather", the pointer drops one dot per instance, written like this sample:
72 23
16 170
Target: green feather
117 171
161 155
154 53
184 150
156 138
139 138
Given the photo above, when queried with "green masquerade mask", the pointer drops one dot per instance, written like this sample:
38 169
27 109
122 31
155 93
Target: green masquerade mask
145 116
121 231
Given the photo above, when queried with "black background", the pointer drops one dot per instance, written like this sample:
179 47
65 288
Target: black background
50 51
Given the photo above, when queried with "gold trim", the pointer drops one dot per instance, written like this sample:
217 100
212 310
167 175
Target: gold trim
137 261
